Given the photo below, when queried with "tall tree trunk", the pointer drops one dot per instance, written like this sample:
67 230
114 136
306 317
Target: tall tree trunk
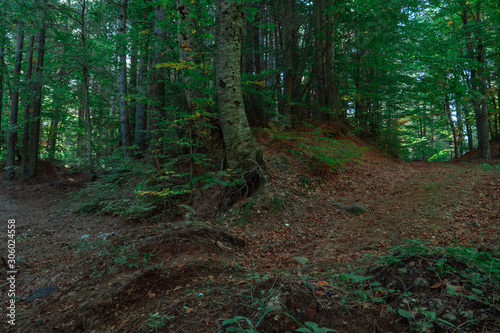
2 71
124 117
258 108
331 67
492 110
478 81
482 119
460 128
497 116
57 100
252 68
320 47
37 104
132 89
241 148
189 49
290 45
28 108
157 107
11 141
85 83
447 109
468 127
140 113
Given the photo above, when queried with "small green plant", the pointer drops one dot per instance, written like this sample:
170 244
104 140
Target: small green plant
431 186
305 182
121 254
490 167
243 325
96 272
248 206
87 246
354 278
431 318
314 328
257 277
157 321
277 203
132 258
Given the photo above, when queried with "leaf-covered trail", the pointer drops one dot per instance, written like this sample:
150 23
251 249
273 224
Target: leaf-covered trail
439 203
292 227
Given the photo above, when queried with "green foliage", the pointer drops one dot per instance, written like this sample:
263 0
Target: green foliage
490 167
389 139
354 278
121 254
157 321
129 256
319 152
314 328
482 263
267 302
112 192
243 325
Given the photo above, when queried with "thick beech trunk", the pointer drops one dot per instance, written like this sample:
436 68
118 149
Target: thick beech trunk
241 148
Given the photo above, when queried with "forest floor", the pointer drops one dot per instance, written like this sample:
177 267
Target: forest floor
284 258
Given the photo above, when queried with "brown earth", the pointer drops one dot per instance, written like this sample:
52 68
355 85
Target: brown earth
280 249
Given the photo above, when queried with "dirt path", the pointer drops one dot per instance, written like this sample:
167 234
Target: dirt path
442 204
106 282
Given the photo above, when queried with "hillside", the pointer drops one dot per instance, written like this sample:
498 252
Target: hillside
293 252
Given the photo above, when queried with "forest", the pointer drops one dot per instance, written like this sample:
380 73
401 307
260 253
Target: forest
85 80
250 166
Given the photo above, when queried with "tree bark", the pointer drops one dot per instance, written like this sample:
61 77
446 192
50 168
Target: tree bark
2 71
447 108
85 84
189 47
242 151
140 113
11 141
58 102
478 81
37 102
252 51
124 117
132 90
28 108
468 128
482 119
460 128
157 107
320 46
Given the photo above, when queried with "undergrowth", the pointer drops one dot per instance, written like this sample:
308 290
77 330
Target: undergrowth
319 151
114 190
416 288
134 189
